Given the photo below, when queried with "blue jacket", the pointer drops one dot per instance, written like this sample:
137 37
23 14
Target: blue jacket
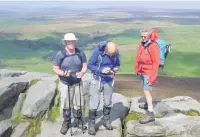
99 60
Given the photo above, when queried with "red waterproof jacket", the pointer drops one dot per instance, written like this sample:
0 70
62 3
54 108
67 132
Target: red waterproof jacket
148 59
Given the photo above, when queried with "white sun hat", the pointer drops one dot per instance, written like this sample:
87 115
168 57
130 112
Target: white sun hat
69 36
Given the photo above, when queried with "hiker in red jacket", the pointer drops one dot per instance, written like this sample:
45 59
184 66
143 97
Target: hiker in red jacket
146 65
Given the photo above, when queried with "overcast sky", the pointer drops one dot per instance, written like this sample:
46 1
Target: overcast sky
170 4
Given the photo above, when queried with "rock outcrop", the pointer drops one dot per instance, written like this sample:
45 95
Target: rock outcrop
29 106
39 98
175 116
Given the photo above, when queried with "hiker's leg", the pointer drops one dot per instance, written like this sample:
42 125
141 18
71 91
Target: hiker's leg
64 96
65 108
94 95
107 96
147 91
149 99
94 104
78 102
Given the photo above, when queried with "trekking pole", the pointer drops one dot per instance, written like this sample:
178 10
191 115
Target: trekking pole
71 133
77 126
80 119
83 128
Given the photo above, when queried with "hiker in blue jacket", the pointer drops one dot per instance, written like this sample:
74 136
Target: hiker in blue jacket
104 63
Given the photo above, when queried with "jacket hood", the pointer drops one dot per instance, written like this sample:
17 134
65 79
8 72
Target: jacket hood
154 35
102 46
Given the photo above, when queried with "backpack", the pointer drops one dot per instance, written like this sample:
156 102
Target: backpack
77 52
164 50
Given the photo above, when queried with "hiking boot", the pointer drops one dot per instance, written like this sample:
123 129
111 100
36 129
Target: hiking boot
77 116
143 106
91 127
107 125
149 117
91 123
65 127
106 118
75 122
67 121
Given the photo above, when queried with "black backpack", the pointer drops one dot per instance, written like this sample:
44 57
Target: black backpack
77 52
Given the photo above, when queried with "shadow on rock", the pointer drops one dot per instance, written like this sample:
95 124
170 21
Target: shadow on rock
118 111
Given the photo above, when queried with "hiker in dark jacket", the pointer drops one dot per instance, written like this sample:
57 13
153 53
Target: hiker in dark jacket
147 65
70 65
104 63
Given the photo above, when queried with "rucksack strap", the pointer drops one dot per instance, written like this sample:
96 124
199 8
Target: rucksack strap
77 52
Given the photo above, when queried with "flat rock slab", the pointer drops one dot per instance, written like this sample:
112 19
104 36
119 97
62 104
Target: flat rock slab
21 130
180 124
134 105
154 129
166 107
183 103
10 88
121 105
38 99
168 126
5 125
11 73
29 76
53 130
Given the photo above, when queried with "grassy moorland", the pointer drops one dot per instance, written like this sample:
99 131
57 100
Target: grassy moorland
25 44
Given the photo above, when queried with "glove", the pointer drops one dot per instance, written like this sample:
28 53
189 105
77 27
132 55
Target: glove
106 70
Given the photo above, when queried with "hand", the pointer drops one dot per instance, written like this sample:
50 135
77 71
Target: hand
106 70
79 74
66 73
150 83
115 69
112 72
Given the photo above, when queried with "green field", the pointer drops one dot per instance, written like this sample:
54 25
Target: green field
33 43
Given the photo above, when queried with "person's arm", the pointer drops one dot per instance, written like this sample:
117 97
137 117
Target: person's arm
92 62
57 63
84 65
117 63
84 68
58 71
154 52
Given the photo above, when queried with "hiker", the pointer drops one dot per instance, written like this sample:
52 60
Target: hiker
104 63
147 65
70 65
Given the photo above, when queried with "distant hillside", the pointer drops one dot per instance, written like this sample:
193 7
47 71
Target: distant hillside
30 40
